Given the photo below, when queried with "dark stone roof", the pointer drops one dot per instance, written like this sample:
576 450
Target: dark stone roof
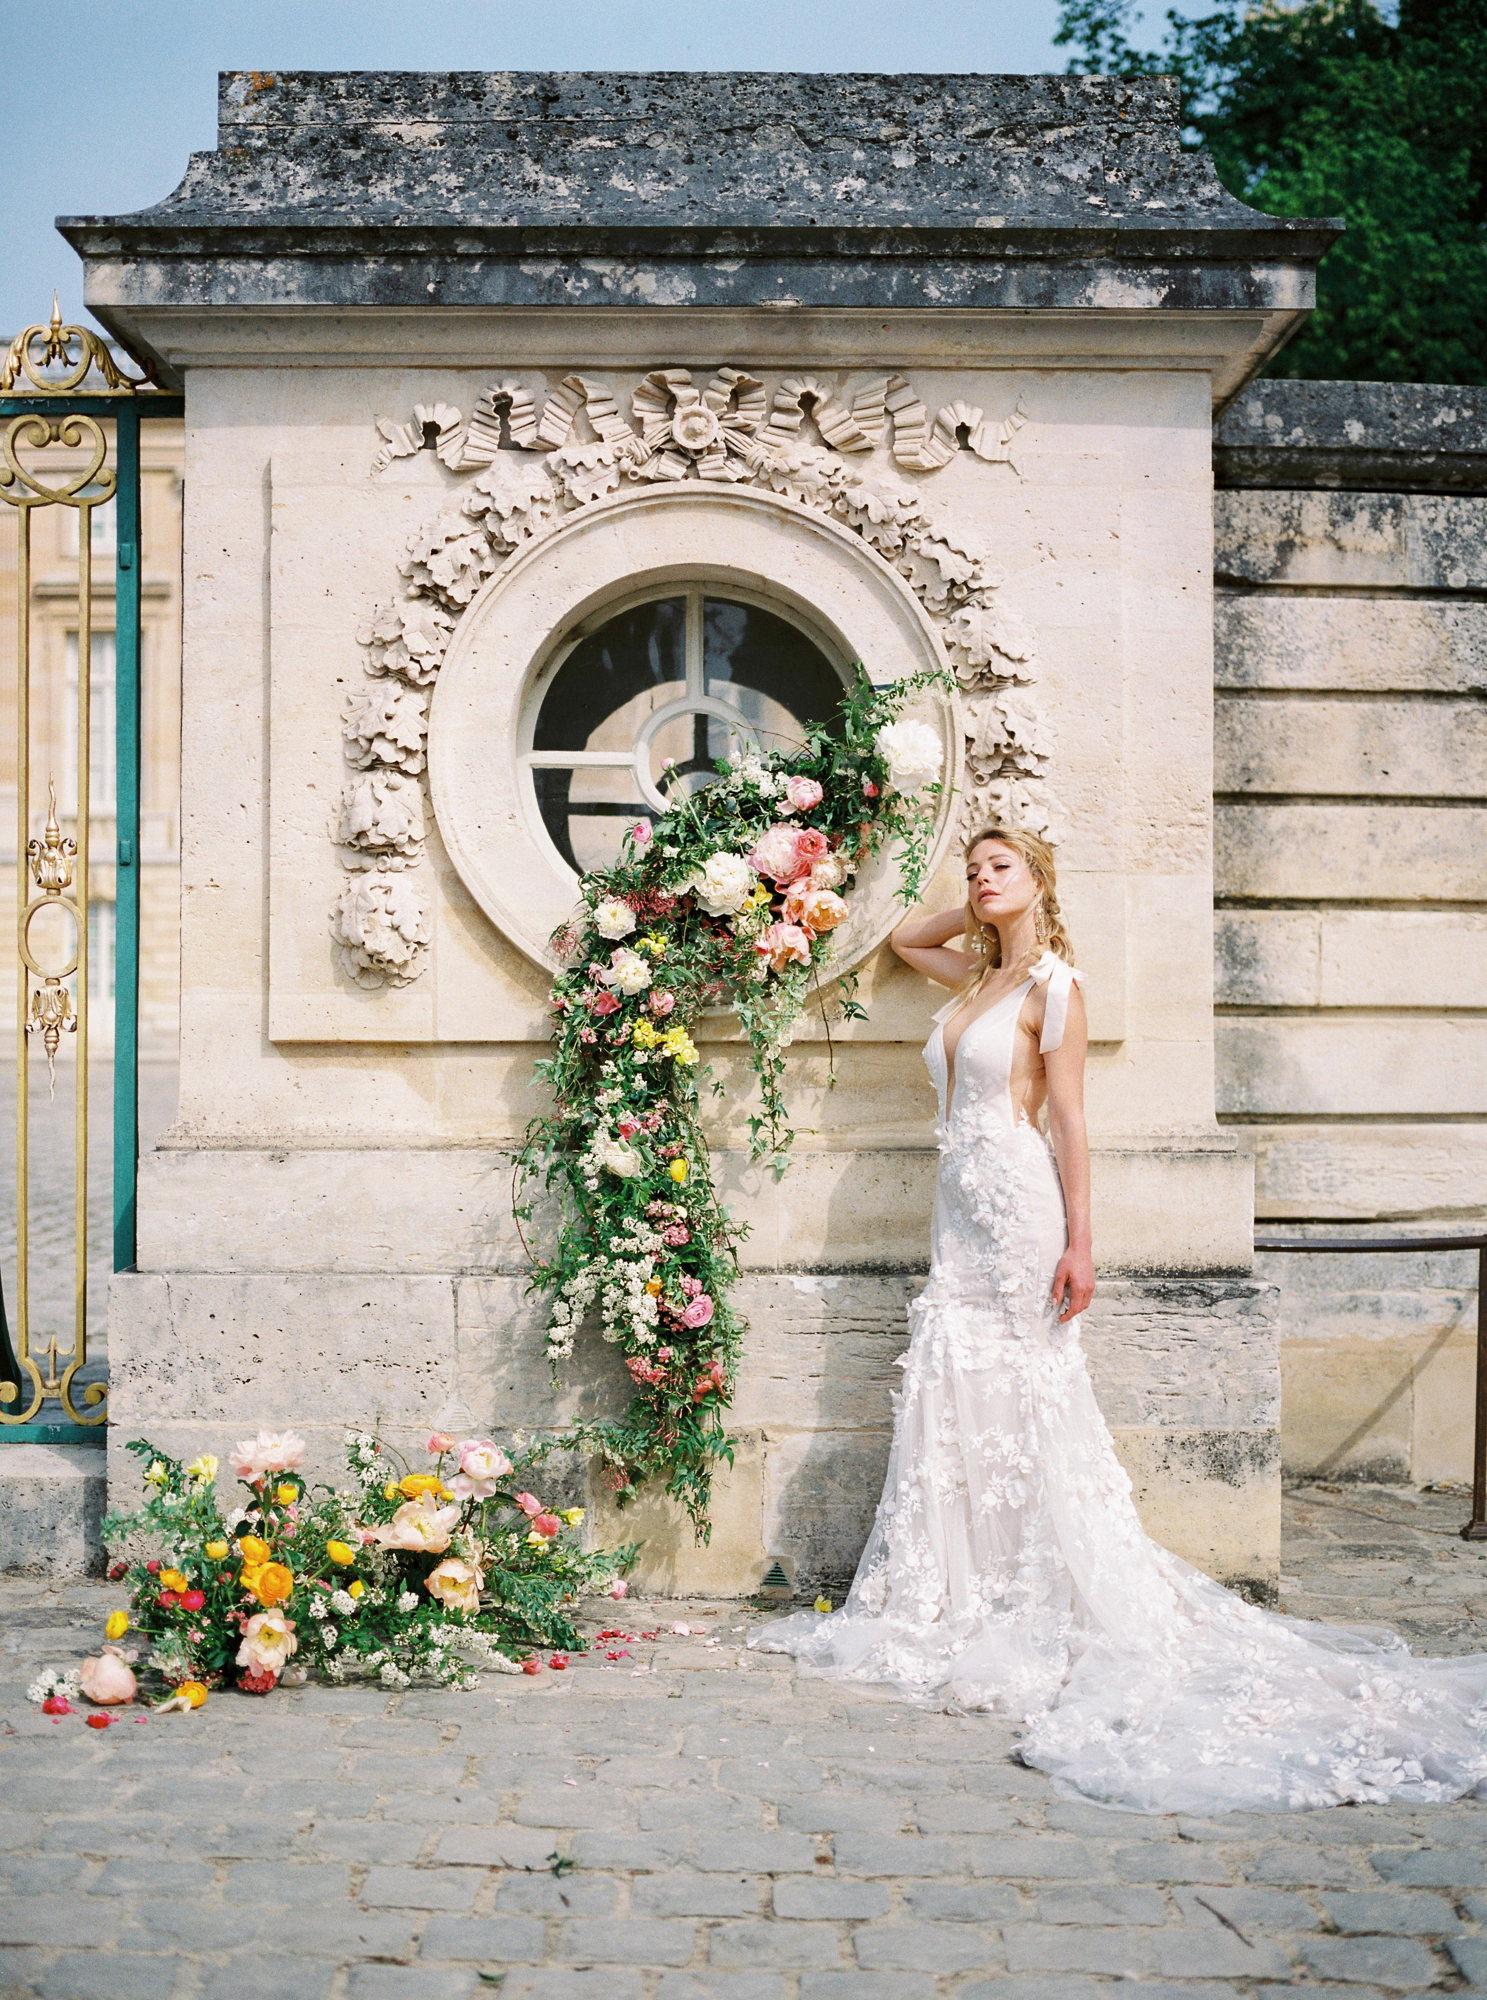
818 184
1382 437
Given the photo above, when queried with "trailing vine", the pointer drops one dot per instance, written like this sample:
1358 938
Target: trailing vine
729 900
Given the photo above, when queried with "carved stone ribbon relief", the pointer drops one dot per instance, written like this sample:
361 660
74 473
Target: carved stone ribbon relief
535 472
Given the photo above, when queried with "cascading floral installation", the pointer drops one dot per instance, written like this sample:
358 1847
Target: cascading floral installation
730 899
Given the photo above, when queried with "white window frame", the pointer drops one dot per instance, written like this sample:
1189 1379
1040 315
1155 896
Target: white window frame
103 773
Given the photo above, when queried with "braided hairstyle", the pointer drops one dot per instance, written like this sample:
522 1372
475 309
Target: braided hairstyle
982 939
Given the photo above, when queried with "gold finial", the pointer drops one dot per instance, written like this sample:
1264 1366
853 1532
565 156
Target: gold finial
56 344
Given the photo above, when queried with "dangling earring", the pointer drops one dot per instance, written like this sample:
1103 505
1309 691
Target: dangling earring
1042 928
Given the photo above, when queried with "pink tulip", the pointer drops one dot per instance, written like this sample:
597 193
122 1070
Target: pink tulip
546 1524
604 1003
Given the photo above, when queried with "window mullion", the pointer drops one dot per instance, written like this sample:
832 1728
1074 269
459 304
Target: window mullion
696 682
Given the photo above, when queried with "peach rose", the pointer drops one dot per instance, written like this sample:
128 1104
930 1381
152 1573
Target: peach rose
419 1524
455 1585
106 1679
784 944
822 910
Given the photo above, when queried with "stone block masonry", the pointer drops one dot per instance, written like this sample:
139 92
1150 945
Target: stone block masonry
1350 819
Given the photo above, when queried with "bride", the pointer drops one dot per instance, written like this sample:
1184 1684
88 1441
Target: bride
1007 1568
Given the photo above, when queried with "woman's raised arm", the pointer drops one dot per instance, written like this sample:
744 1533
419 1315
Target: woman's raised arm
922 940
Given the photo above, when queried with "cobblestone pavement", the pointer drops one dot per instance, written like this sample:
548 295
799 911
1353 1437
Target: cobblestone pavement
692 1820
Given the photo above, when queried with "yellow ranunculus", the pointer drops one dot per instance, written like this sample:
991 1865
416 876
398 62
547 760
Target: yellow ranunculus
655 945
355 1589
286 1494
272 1584
191 1691
678 1171
172 1579
117 1626
678 1044
203 1468
654 1287
573 1515
340 1552
419 1482
389 1491
216 1550
254 1550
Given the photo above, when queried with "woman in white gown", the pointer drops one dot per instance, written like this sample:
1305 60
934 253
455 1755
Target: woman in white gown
1007 1568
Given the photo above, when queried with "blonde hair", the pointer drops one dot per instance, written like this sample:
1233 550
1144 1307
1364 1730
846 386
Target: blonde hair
982 939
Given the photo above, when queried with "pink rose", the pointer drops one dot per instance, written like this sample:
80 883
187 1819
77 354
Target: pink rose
604 1003
438 1444
777 855
699 1312
662 1003
546 1524
641 833
784 944
619 1588
529 1504
803 793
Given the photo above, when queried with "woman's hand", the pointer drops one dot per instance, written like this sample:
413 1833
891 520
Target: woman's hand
1075 1277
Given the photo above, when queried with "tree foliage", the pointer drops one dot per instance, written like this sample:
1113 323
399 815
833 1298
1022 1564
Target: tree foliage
1335 107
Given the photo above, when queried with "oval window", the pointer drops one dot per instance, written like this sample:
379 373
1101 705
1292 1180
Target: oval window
647 699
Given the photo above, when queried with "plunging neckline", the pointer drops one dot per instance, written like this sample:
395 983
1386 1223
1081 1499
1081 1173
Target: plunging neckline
1018 993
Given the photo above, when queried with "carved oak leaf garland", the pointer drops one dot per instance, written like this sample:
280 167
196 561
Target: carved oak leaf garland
728 430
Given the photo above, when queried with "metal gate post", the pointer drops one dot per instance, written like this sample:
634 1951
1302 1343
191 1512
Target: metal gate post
127 892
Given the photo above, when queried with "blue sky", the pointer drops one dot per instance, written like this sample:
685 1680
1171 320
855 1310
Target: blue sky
106 98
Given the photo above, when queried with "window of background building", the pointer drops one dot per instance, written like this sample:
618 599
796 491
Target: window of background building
104 530
678 681
102 772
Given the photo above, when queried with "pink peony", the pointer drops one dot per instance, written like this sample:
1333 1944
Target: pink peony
604 1003
662 1003
270 1452
699 1312
784 944
481 1465
777 855
803 793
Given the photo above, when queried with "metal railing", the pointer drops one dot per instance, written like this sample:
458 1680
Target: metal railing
1476 1528
55 370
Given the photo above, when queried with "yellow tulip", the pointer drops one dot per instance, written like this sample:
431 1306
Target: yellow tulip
355 1589
340 1552
117 1626
272 1584
156 1476
254 1550
678 1171
172 1579
216 1550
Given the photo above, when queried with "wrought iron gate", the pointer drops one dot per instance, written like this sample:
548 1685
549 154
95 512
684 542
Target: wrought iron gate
46 401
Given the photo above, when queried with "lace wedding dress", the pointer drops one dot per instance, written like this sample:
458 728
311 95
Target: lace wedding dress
1007 1568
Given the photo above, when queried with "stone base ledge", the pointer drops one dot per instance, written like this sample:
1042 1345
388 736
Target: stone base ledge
51 1510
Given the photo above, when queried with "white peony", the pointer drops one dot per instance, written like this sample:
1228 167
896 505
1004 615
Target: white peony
628 972
830 873
722 884
620 1158
613 919
914 754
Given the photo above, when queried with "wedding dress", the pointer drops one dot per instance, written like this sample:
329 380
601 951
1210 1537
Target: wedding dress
1007 1568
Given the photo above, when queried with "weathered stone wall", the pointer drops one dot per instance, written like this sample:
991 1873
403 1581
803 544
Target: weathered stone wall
1350 742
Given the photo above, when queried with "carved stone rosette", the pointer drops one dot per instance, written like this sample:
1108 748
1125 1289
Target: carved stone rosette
729 429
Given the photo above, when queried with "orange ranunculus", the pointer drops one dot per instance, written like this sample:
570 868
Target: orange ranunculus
340 1552
272 1584
419 1482
254 1551
172 1579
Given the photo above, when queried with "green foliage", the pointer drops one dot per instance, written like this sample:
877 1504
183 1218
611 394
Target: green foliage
642 1241
1334 108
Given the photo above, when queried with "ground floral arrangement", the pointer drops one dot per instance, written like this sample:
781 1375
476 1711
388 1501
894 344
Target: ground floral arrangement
402 1576
729 899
